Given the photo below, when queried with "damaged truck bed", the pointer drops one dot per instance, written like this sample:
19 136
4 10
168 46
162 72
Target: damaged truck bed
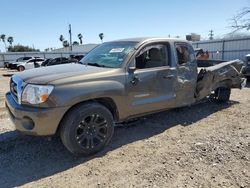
226 74
115 82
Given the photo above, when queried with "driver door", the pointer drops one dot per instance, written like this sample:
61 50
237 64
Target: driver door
151 86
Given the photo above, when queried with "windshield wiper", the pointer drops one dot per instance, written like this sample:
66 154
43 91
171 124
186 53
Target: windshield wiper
96 65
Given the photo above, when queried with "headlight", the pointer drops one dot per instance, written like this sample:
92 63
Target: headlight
36 94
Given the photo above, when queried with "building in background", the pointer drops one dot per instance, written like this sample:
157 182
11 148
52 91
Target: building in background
193 37
61 52
77 48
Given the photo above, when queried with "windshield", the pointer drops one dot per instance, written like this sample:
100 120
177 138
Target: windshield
110 54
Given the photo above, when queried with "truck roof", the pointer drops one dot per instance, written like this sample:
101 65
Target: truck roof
141 40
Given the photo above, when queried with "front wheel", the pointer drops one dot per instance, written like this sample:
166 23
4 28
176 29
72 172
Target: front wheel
87 129
20 68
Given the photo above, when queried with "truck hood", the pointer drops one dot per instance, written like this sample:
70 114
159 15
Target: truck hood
44 75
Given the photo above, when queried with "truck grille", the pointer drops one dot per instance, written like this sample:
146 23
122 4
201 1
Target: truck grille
16 87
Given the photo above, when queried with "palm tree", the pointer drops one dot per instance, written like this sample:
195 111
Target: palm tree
75 43
65 43
101 36
10 40
80 37
2 37
61 38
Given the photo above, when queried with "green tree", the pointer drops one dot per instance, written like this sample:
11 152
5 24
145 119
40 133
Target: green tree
21 48
65 43
80 37
101 36
10 40
61 38
3 37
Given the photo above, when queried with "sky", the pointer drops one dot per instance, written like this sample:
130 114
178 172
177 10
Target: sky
40 23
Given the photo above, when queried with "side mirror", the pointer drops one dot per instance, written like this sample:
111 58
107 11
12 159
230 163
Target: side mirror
131 70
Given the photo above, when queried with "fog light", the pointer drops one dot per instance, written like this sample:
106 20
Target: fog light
28 123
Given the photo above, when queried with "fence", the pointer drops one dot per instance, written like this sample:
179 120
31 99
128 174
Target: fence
226 49
12 56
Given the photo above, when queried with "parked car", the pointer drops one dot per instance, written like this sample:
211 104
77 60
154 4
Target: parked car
59 61
45 62
29 64
116 82
246 69
13 64
76 57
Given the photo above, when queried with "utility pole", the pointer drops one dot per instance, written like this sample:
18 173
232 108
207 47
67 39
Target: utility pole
70 38
211 34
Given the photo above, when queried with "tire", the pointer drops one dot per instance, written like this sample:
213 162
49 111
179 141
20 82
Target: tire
222 94
21 68
87 129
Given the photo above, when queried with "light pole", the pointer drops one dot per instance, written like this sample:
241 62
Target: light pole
70 38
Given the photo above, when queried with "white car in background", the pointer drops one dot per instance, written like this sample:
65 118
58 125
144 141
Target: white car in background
13 64
29 64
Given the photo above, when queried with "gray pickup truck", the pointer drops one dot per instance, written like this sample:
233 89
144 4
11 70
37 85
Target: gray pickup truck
116 82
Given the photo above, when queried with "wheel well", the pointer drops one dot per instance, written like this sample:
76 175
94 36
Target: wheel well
105 101
224 83
20 66
109 104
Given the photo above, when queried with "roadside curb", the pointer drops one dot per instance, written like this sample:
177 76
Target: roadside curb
8 136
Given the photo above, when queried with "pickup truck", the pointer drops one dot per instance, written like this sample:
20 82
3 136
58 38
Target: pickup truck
116 82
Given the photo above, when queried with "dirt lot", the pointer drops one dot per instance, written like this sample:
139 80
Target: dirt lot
205 145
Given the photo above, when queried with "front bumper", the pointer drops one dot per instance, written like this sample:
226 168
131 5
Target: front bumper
12 66
34 120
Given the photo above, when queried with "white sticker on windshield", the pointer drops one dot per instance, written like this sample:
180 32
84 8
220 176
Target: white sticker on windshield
116 50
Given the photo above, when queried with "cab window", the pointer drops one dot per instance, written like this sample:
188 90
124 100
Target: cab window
152 56
184 53
31 61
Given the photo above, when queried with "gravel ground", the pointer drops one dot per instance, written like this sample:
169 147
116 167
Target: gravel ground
205 145
5 123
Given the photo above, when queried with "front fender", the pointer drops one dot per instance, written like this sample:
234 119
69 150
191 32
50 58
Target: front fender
69 95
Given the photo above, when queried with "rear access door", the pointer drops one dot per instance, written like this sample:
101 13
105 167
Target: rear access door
186 74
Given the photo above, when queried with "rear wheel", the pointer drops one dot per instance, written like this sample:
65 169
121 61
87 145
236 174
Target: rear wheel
20 68
87 129
222 94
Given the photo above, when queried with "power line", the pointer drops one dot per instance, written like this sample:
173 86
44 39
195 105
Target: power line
211 34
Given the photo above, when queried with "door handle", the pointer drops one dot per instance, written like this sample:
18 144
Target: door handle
135 80
168 76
